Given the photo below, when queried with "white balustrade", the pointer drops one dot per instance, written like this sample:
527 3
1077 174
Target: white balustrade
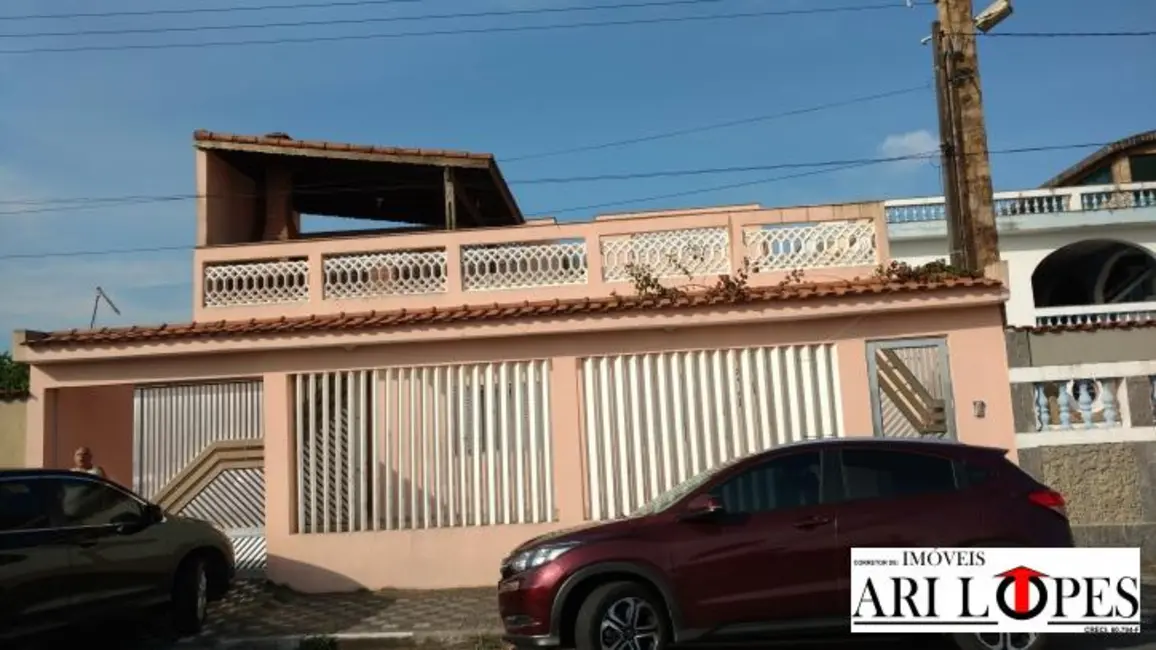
523 265
393 273
821 244
1046 201
261 282
1087 403
1129 312
667 253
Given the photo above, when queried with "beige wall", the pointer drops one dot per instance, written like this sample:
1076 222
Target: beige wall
12 419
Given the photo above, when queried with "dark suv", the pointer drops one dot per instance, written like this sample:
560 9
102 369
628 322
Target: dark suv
759 548
77 548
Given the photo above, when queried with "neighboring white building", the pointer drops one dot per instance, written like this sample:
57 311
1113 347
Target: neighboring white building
1080 250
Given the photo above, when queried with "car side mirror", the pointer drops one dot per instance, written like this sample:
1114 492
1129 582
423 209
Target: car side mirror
153 514
703 506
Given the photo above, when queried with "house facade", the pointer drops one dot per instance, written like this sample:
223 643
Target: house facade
401 407
1081 257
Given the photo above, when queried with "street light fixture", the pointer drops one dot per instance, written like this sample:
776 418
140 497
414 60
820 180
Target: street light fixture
995 14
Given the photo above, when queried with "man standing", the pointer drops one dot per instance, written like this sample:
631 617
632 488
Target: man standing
83 459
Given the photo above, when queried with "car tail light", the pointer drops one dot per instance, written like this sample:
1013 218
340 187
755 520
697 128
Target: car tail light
1051 500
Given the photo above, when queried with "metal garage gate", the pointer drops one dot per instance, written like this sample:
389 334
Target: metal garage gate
199 451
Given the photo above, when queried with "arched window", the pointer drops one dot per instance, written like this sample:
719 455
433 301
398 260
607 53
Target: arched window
1095 272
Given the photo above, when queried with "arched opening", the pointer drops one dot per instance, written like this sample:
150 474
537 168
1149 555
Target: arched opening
1095 272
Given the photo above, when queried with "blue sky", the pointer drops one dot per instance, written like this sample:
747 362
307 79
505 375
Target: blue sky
120 123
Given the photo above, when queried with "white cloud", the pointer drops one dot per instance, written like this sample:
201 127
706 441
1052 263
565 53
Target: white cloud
912 143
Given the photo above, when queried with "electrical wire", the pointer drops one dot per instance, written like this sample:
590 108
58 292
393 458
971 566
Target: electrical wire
361 21
503 29
114 201
80 203
833 167
210 10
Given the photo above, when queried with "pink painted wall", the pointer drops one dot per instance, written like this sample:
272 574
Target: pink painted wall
99 417
736 220
441 558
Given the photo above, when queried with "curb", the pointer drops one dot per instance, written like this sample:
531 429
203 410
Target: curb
344 641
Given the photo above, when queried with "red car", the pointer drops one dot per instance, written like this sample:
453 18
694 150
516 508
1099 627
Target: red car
758 549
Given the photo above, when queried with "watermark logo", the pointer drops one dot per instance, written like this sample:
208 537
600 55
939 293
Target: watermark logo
993 590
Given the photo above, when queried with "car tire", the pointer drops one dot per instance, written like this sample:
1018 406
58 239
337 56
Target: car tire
190 597
1000 641
619 609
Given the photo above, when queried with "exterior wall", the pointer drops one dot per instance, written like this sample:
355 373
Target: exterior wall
534 262
469 556
1110 489
100 418
1106 470
12 422
1023 252
227 203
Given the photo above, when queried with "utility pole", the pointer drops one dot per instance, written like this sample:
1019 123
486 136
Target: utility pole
948 156
975 218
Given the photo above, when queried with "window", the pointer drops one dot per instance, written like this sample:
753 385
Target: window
1143 168
873 474
22 506
89 503
1101 176
790 482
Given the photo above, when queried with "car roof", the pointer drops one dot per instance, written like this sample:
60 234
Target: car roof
895 443
36 472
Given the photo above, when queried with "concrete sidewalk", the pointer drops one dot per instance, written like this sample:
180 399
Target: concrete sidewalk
258 615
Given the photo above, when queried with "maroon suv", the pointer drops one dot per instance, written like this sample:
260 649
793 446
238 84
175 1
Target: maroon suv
759 548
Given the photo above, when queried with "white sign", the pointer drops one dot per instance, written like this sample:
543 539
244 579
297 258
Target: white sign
986 590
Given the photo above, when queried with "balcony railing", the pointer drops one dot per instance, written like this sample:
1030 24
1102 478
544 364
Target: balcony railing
1050 201
534 261
1128 312
1116 397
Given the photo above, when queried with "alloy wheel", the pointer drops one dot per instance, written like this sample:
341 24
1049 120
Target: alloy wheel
630 624
1007 641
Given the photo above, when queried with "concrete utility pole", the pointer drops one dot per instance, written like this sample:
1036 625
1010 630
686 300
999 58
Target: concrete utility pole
977 237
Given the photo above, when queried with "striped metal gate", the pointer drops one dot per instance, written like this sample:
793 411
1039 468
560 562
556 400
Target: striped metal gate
910 383
199 451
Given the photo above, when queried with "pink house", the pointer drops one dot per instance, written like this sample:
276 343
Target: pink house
398 408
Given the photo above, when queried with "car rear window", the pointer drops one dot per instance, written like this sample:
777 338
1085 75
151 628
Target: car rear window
879 474
21 507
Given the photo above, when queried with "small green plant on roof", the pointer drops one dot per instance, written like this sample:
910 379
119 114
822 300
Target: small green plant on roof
647 283
13 375
933 271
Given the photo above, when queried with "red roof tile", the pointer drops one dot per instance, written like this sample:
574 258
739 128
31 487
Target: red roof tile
374 320
284 141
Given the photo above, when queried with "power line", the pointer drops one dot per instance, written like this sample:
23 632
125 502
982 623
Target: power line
721 125
832 167
82 203
1068 34
361 21
507 29
209 10
115 201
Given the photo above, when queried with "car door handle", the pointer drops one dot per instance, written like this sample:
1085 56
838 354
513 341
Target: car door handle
812 522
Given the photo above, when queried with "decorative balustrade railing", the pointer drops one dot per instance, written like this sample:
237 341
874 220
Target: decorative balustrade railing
528 258
1097 396
1128 312
1050 201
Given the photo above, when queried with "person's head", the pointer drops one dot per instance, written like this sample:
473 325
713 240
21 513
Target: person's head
83 457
